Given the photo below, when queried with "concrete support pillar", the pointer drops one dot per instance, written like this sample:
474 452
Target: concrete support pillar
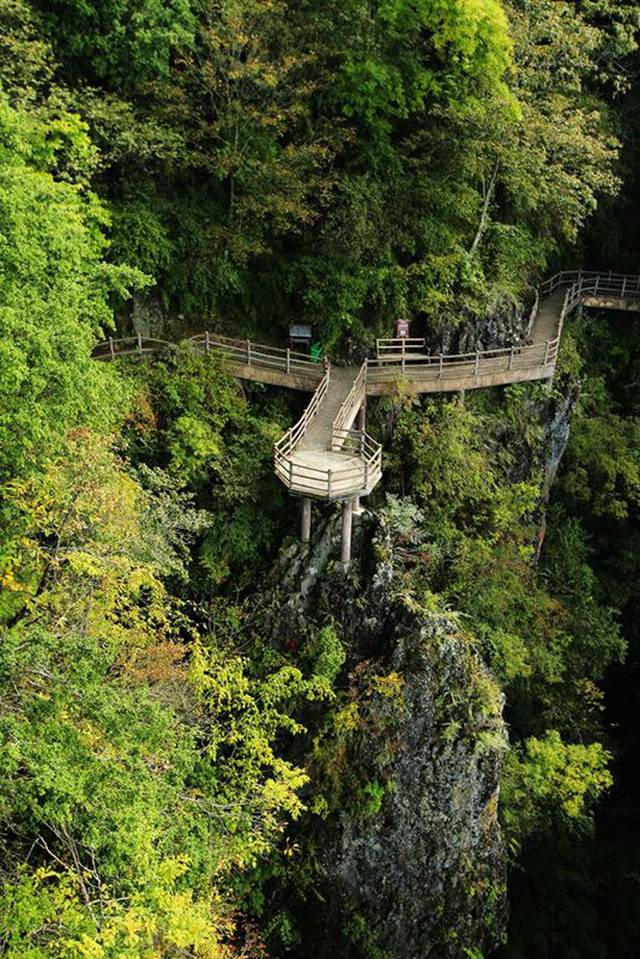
347 522
305 519
461 397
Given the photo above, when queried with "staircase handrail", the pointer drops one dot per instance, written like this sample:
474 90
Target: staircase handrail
353 400
287 443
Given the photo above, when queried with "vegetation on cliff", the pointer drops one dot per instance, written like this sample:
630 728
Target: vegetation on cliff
239 163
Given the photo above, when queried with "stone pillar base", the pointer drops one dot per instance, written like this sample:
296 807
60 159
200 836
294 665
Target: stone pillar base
347 522
305 519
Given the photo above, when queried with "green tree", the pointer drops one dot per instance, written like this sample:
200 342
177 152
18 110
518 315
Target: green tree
55 288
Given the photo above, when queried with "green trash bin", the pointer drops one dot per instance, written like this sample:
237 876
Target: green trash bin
315 352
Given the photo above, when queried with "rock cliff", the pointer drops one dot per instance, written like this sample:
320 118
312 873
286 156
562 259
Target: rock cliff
411 862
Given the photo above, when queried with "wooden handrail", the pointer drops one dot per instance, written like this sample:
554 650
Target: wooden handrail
293 436
458 361
244 352
353 401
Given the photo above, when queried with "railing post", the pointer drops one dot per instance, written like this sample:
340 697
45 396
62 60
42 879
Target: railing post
597 283
329 484
402 362
207 341
475 372
511 357
111 348
546 352
288 360
140 343
440 364
366 474
248 352
290 474
624 286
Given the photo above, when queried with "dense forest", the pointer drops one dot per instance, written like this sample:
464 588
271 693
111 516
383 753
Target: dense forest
178 763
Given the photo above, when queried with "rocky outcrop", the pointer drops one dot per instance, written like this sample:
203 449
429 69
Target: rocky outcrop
147 316
411 857
506 323
557 429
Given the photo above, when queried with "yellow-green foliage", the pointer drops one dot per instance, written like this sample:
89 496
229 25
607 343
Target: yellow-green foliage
138 763
360 719
468 543
547 777
162 920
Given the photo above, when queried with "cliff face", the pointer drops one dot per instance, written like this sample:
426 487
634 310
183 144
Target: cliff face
506 323
557 429
411 859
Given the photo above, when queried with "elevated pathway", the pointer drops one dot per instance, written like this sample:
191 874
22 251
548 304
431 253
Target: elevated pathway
246 360
398 360
323 456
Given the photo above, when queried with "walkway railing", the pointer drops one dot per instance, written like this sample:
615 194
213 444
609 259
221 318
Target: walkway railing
591 281
464 366
297 476
582 284
241 352
131 346
292 437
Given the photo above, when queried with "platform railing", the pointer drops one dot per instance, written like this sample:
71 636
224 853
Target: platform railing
356 474
400 345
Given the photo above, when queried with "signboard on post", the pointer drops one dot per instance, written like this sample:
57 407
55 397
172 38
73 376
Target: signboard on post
402 329
300 337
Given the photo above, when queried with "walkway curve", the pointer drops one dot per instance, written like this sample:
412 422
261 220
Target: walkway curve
322 456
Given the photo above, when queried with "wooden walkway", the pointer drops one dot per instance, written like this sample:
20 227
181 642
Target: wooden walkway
323 456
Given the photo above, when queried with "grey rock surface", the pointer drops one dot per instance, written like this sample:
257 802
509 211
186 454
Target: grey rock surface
419 874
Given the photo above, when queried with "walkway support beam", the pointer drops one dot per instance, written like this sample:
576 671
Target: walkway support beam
305 519
347 523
